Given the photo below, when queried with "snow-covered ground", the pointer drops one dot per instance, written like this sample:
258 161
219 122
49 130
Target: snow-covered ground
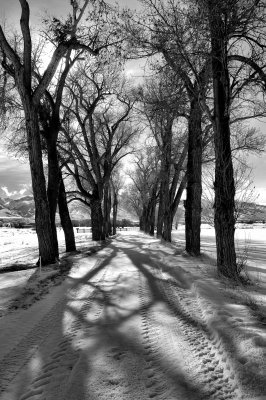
137 320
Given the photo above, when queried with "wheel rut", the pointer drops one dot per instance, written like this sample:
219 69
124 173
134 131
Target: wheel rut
212 367
61 360
55 373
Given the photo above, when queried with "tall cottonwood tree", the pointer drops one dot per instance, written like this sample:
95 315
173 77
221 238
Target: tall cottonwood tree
50 123
226 20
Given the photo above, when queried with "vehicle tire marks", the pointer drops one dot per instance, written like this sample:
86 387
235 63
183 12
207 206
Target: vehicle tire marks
164 377
21 353
55 373
16 359
214 362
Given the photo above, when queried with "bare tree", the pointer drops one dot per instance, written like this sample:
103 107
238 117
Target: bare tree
142 195
163 103
97 133
19 65
226 21
171 30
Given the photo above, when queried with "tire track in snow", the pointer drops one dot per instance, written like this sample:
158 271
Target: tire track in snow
211 360
167 372
55 372
13 362
154 378
214 362
22 352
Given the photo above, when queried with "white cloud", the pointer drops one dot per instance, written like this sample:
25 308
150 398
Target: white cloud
9 194
15 193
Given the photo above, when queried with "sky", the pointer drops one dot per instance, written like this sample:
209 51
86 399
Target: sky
14 175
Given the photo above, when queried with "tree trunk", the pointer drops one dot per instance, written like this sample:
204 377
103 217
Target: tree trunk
224 205
152 209
115 204
109 214
164 195
107 201
167 225
178 196
65 218
47 248
97 222
143 219
141 223
194 184
53 183
161 209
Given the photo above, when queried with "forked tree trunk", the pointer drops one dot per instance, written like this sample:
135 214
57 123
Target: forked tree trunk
224 205
47 247
97 222
194 184
65 218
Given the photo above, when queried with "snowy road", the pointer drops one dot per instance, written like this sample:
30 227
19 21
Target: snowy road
125 325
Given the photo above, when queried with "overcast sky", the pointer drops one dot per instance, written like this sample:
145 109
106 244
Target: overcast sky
15 176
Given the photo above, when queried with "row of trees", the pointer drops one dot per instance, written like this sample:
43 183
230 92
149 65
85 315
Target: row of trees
81 116
215 51
73 117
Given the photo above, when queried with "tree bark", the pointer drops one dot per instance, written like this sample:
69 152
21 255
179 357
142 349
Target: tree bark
194 184
224 205
47 248
152 209
53 183
65 218
107 210
178 196
97 222
164 195
115 204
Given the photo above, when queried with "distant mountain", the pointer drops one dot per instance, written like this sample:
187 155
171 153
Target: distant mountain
248 213
23 207
251 212
5 213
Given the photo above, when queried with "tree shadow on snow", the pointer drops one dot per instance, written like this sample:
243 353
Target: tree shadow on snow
101 348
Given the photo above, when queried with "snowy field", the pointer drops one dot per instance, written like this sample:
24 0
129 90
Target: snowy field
20 246
250 242
137 320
